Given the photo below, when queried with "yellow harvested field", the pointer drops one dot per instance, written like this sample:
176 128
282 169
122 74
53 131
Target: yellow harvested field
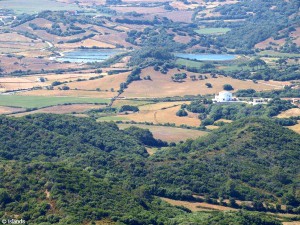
296 127
182 39
70 93
212 127
178 16
14 83
197 206
181 6
163 116
290 113
163 86
224 120
64 109
291 223
120 102
169 134
105 83
88 43
9 110
64 77
267 42
161 105
13 37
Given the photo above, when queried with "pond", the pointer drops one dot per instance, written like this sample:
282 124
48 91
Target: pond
206 57
88 55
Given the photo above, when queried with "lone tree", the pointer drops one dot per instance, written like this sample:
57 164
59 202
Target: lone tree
181 113
209 85
228 87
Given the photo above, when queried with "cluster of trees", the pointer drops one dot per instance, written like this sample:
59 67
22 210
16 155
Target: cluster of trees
56 29
179 77
285 93
259 19
209 113
235 156
131 108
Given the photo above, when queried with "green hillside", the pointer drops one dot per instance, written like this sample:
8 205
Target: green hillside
66 170
249 159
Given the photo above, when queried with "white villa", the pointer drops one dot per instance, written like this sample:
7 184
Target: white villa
224 96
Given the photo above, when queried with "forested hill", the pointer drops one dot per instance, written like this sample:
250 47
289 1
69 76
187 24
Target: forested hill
249 159
66 170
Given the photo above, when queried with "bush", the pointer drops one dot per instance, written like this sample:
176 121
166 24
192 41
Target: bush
228 87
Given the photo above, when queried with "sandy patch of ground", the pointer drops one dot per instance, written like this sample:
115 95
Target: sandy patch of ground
197 206
169 134
9 110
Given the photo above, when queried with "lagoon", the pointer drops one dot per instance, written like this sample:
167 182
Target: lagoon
88 55
206 57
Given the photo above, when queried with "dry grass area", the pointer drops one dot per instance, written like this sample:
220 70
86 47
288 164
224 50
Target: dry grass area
70 93
113 38
290 113
161 105
178 16
14 83
291 223
105 83
212 127
163 86
120 102
9 110
17 43
10 64
88 43
296 127
182 39
181 6
169 134
197 206
157 116
26 82
63 109
142 10
64 77
266 43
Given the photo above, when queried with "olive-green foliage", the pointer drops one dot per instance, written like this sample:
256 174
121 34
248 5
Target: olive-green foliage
248 159
94 170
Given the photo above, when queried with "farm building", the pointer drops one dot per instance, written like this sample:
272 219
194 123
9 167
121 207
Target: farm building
224 96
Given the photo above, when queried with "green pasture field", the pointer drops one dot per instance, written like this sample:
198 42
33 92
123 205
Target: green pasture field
41 101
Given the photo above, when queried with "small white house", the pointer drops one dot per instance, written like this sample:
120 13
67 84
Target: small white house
224 96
